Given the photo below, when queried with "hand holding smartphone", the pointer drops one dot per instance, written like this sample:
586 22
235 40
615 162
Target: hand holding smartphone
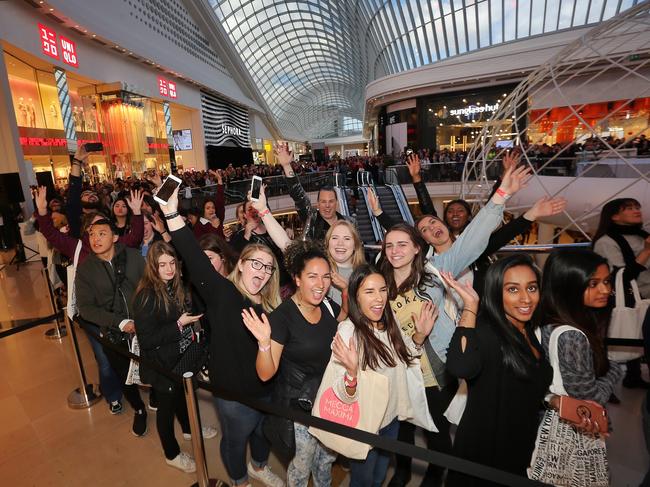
256 187
167 189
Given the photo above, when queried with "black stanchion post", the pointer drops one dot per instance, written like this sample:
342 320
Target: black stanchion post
197 437
86 394
56 333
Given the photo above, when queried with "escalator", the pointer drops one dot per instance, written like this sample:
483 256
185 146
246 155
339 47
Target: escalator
393 203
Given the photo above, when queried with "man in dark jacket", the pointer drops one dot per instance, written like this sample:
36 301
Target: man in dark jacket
105 283
317 220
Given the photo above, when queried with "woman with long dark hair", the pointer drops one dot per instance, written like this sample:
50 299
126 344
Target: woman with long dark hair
621 239
294 342
121 216
503 363
575 291
233 350
161 308
377 343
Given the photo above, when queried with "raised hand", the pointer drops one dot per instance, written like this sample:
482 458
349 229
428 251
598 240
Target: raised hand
260 204
510 161
413 163
259 327
515 179
135 201
465 290
546 207
339 281
40 196
188 319
172 204
227 233
283 154
154 178
373 201
424 322
346 354
158 224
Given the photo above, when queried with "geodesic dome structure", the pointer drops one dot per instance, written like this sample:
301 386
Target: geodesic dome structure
580 121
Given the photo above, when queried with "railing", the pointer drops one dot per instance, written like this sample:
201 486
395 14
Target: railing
236 191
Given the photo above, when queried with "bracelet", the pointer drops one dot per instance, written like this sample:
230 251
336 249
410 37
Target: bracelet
503 194
264 349
264 212
171 215
349 381
469 311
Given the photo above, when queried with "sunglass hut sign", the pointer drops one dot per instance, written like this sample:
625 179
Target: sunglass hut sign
472 110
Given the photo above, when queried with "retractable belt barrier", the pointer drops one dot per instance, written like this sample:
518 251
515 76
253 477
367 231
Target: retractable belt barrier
31 324
441 459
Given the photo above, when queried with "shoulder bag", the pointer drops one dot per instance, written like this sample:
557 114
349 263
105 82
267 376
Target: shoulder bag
626 322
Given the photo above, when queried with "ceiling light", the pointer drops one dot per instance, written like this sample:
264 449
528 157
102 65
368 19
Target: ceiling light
464 100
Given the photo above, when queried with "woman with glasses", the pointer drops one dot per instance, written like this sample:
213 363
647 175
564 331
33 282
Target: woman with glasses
233 350
294 342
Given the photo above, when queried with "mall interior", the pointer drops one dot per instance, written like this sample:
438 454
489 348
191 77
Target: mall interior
400 109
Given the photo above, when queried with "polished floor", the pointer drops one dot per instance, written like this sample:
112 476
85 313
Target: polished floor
45 443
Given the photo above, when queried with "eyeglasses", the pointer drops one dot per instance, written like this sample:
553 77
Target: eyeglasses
257 265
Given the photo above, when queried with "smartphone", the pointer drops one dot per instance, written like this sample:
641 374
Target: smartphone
409 151
94 147
256 187
165 191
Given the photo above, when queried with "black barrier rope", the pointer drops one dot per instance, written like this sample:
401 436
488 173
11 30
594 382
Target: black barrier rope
30 324
441 459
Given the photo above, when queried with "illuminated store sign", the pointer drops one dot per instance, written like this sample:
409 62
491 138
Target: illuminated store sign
49 142
166 88
471 110
230 130
50 46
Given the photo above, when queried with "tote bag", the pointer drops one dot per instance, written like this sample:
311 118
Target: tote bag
565 456
626 322
71 271
365 413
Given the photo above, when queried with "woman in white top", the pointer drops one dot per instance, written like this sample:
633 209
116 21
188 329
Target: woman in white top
377 344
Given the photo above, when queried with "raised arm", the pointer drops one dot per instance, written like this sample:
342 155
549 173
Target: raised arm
276 232
62 242
473 241
296 191
414 166
136 233
201 273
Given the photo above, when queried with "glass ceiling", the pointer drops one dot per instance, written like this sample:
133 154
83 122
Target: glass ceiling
312 60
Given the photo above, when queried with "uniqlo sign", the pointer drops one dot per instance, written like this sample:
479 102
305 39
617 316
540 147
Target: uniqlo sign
163 86
69 52
48 41
167 88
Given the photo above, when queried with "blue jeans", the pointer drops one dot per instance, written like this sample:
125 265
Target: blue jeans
241 425
372 470
109 384
312 458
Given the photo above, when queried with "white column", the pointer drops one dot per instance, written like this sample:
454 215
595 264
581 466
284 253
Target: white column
12 159
545 233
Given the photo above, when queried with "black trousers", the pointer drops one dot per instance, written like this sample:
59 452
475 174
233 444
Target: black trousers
170 404
120 365
438 401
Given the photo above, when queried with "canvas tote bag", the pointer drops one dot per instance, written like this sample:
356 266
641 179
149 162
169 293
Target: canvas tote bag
626 322
565 456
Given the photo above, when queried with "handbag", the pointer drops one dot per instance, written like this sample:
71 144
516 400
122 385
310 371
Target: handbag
193 358
366 413
133 375
565 456
626 322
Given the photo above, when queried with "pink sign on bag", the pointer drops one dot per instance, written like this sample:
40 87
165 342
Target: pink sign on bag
335 410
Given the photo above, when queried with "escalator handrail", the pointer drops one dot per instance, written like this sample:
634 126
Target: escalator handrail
376 228
402 203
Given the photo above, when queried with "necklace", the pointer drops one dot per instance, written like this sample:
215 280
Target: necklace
306 314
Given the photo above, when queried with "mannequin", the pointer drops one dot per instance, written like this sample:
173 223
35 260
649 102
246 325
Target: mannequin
31 113
23 113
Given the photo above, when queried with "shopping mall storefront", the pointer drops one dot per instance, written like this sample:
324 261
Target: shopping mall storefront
448 121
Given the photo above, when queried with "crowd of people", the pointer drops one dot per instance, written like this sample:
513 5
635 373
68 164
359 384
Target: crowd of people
439 332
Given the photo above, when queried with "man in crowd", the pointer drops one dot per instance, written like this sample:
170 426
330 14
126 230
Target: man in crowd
317 220
105 283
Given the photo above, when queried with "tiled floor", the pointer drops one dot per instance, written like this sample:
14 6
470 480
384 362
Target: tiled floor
45 443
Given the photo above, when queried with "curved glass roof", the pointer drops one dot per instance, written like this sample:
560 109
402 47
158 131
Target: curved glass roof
312 59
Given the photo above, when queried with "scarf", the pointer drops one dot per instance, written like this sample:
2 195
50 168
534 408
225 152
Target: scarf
617 233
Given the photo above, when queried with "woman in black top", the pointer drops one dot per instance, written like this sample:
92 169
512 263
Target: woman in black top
296 340
233 350
159 306
121 216
503 363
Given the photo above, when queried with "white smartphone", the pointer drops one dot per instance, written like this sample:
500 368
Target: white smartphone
165 191
256 187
